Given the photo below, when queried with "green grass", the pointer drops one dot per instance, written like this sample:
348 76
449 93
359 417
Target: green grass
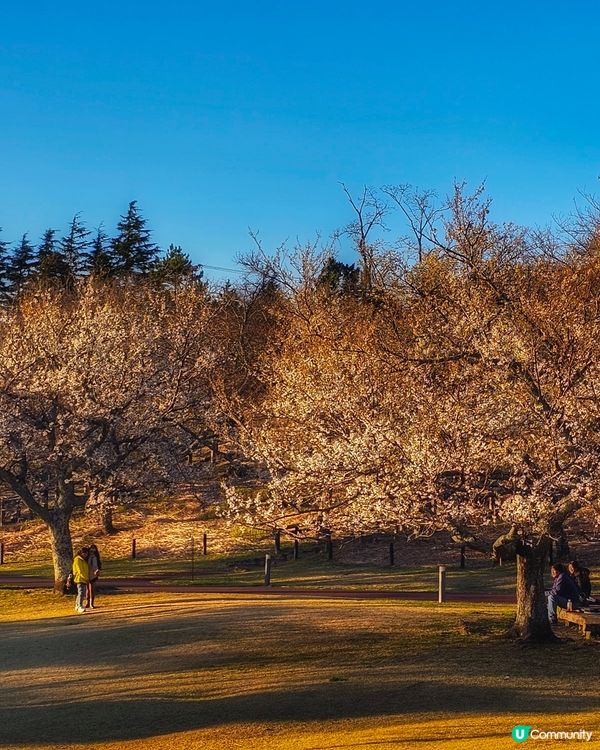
311 571
188 671
330 575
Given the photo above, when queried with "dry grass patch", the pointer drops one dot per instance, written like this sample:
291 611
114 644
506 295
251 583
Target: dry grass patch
183 671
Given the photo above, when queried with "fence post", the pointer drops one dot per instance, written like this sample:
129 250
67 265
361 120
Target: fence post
462 556
133 549
296 549
267 570
391 553
1 553
277 542
441 584
204 543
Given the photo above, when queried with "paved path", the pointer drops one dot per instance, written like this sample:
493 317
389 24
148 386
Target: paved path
146 585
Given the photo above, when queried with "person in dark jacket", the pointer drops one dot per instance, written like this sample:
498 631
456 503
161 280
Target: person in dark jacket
95 565
581 576
563 589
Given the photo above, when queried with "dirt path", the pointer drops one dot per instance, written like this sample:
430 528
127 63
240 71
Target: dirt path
146 585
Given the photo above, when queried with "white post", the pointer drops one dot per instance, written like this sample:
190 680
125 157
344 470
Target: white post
441 584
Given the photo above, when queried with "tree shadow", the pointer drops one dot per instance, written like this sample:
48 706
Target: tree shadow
102 720
327 664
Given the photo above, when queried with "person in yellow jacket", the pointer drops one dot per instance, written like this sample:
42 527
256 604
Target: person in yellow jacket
81 577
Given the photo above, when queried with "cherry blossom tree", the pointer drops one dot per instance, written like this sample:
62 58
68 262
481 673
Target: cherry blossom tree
101 392
461 394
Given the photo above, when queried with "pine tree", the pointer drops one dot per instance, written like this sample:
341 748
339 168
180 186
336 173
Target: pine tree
133 250
51 264
5 262
74 245
47 245
175 268
21 265
338 277
98 261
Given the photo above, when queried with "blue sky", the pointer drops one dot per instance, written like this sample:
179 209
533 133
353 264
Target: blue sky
217 118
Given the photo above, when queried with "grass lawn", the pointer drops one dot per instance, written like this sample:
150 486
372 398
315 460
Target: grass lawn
312 570
309 572
213 672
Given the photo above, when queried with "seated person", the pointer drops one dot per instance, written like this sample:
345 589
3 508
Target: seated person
581 577
563 589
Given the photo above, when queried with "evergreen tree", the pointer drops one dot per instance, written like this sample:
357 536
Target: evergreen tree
47 246
21 265
339 277
74 245
5 263
98 261
132 248
51 264
175 268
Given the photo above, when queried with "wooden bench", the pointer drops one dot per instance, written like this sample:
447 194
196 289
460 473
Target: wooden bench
588 622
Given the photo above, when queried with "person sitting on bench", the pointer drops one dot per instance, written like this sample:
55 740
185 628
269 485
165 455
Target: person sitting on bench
581 576
563 589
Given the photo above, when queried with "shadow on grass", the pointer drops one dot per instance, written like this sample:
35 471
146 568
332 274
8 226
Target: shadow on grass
148 669
101 719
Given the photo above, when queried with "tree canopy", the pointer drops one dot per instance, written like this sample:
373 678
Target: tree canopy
450 382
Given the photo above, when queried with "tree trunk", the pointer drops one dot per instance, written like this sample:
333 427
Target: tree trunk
106 518
62 547
531 622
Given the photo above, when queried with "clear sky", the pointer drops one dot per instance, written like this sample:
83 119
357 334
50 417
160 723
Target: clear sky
220 117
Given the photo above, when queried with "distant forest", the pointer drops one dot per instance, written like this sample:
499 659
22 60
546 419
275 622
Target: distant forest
81 252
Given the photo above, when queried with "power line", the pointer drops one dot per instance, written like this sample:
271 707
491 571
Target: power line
220 268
